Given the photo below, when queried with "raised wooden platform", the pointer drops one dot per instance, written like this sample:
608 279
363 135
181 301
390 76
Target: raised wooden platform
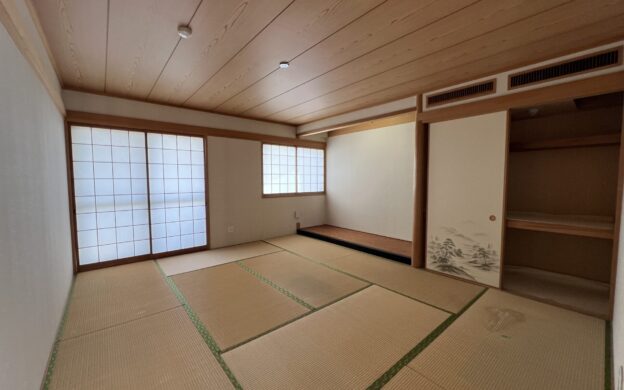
392 248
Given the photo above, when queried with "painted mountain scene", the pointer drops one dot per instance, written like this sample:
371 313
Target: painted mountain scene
466 255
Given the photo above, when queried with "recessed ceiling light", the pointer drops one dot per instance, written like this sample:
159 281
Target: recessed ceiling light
284 64
184 32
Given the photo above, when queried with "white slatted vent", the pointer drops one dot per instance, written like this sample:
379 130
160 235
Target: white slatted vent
568 68
467 92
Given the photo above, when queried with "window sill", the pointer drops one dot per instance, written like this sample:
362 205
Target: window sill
293 194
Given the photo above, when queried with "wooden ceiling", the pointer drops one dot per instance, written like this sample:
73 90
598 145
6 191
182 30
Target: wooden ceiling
344 54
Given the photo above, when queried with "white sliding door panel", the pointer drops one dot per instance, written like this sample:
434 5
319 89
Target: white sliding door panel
177 191
135 199
465 216
110 194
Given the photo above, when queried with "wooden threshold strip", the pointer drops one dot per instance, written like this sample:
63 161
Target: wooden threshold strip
91 119
562 143
585 226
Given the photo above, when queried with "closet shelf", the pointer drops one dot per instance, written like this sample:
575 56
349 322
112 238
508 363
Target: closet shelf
562 143
575 225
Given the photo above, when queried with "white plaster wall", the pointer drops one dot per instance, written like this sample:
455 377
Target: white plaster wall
35 244
370 180
235 188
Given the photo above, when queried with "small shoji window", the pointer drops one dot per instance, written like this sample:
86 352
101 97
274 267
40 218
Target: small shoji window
279 169
292 170
310 170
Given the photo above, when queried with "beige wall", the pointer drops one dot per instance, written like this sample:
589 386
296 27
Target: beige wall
235 179
370 180
35 248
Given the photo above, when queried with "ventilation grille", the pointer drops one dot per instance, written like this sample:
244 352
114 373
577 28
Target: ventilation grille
484 88
571 67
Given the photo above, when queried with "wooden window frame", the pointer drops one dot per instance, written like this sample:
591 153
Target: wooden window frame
77 267
296 193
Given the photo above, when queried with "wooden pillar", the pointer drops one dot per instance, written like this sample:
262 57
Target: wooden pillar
419 241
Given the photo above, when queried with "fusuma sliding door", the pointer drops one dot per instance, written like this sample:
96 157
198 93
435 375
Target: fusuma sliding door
465 202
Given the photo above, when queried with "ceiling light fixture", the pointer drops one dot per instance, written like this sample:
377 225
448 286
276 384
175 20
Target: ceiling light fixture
284 64
184 32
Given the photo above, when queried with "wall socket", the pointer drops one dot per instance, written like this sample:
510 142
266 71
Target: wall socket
620 380
230 229
296 215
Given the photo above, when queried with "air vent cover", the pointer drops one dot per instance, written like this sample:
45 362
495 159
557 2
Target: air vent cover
568 68
463 93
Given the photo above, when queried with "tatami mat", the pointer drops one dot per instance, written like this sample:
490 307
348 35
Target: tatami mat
162 351
437 290
508 342
198 260
408 379
234 305
115 295
311 248
314 283
346 345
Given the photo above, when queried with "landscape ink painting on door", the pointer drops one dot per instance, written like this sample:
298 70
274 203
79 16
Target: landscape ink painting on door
465 202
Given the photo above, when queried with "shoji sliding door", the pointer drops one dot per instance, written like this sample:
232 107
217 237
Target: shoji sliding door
177 191
125 210
465 202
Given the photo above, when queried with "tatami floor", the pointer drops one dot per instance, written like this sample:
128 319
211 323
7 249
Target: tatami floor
299 313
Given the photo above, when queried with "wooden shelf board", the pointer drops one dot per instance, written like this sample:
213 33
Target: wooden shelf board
575 225
561 143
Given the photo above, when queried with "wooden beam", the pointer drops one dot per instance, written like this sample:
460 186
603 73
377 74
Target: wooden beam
613 82
90 119
563 143
14 24
377 123
372 122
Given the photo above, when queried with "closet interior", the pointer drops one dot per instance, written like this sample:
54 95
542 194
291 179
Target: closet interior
562 175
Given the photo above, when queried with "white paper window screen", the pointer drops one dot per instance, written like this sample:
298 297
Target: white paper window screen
110 172
279 169
289 169
310 170
177 191
110 189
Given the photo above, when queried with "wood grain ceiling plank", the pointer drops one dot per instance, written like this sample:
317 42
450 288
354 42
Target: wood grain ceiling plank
302 25
391 20
220 30
76 32
565 18
141 36
586 37
452 30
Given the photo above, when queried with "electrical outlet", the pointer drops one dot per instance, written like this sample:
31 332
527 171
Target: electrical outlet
296 215
230 229
620 381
